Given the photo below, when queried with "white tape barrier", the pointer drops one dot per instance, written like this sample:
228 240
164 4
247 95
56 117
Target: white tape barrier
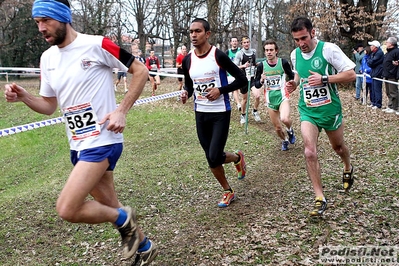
58 120
30 126
387 81
20 74
172 70
364 84
384 80
361 75
21 69
166 74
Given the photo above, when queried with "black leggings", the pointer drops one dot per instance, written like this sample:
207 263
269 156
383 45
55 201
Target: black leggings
212 131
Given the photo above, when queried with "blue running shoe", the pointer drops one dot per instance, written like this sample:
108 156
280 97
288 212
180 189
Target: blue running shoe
291 136
284 145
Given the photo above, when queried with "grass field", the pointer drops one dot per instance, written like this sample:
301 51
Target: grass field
163 174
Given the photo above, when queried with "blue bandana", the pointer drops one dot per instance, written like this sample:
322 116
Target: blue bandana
51 9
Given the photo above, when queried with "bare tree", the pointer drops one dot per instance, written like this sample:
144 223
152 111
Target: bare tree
119 30
346 22
95 16
21 43
213 18
363 20
233 21
179 15
272 25
143 23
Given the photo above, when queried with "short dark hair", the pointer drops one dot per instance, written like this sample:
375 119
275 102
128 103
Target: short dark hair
301 23
359 45
204 23
270 42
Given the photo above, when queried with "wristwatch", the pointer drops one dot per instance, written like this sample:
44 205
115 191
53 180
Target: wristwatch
324 79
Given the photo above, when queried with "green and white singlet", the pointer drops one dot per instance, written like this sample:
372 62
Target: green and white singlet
316 101
274 84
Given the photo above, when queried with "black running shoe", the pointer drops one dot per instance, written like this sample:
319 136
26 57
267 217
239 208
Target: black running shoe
130 234
347 179
291 136
320 206
146 257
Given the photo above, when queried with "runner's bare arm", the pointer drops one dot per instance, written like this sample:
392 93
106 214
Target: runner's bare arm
42 105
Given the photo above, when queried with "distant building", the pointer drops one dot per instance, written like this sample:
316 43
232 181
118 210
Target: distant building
132 45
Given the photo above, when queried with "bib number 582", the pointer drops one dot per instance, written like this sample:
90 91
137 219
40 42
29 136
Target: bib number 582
80 121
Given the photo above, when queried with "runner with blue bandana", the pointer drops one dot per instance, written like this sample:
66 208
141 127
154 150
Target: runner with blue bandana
76 76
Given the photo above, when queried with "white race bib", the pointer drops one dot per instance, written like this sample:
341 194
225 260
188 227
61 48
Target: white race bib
250 71
201 84
82 121
273 82
316 96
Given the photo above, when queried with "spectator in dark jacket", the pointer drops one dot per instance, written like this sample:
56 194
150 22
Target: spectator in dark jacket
375 63
366 70
391 73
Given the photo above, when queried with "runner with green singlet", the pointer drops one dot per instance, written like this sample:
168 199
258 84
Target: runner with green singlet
231 53
320 66
271 75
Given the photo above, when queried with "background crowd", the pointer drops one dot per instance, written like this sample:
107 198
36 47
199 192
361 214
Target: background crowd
379 64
